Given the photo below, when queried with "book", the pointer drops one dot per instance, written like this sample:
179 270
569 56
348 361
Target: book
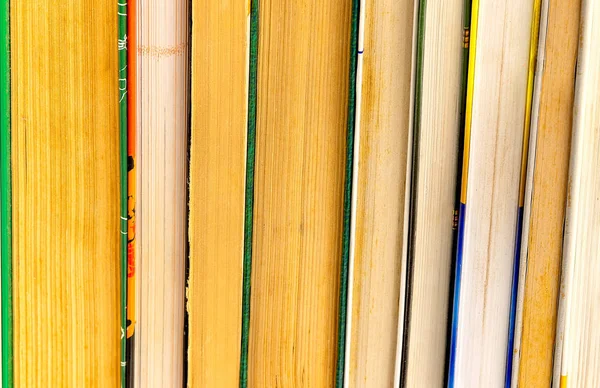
546 194
440 77
381 128
489 210
65 193
159 168
217 189
301 128
576 355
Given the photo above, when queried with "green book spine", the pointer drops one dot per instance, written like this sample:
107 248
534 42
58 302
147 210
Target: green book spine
122 49
249 205
345 264
6 200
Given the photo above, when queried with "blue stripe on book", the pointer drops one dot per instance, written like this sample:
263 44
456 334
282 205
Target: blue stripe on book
513 301
456 301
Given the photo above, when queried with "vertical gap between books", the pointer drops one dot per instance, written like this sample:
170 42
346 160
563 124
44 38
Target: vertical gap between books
186 315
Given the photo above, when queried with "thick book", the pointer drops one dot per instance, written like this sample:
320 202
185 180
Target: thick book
299 176
159 90
217 190
489 209
546 194
65 193
577 355
379 173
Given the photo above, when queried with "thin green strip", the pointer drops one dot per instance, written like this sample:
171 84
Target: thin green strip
6 200
341 350
249 206
122 36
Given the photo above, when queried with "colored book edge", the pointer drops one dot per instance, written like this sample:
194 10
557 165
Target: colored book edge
463 191
346 227
122 77
131 191
249 195
6 199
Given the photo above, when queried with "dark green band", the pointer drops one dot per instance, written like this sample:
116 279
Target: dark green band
343 299
6 199
249 202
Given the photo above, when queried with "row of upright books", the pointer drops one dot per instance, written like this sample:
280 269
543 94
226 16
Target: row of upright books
285 193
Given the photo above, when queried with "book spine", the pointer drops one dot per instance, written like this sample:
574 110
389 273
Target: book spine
249 195
131 187
6 199
535 26
463 193
346 227
122 53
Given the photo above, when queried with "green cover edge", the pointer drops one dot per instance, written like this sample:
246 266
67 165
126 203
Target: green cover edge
343 298
6 203
122 50
249 199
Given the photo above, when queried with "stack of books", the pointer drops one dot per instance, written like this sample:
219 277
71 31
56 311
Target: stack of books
315 193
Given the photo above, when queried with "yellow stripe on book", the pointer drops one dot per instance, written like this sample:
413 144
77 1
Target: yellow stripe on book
535 27
469 107
563 381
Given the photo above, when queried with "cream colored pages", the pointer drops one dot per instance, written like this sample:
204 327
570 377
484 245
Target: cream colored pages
435 179
65 171
161 191
496 142
382 138
217 185
303 61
